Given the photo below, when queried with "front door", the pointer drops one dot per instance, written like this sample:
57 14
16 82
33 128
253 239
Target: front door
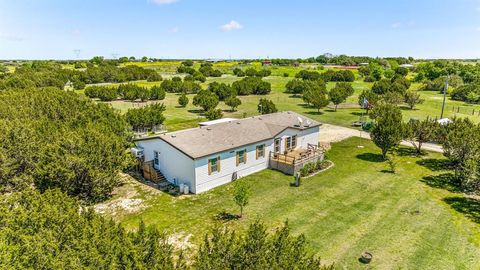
277 145
156 160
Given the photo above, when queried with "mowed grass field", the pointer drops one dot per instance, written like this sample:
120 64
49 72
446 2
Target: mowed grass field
178 118
407 220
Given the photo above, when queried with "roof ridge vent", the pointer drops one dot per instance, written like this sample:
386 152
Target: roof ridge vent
173 135
209 128
238 122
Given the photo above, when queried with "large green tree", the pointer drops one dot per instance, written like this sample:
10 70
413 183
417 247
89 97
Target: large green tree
55 139
388 129
255 249
206 100
462 148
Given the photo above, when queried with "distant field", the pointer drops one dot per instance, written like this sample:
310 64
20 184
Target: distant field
403 219
178 118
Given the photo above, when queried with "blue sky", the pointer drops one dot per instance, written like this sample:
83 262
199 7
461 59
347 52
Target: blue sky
44 29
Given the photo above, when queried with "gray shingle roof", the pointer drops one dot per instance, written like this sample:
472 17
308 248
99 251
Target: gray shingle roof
204 141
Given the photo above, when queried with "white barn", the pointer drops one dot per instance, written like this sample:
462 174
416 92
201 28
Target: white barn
211 155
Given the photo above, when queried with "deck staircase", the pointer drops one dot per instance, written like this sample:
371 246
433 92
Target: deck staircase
152 174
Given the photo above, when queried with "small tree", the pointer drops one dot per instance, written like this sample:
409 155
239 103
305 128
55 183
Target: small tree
233 102
340 93
317 99
462 148
412 98
213 114
183 100
157 93
266 106
295 87
419 132
388 130
241 195
206 100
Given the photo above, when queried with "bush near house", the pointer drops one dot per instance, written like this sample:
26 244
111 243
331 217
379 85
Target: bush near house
313 167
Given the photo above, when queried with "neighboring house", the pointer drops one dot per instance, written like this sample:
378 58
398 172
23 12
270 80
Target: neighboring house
211 155
267 63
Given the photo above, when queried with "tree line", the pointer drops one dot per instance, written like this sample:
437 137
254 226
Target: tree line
52 74
53 231
50 138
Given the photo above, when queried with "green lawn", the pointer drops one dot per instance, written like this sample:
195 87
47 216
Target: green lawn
401 218
178 118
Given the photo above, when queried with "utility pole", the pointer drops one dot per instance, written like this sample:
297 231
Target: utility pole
444 95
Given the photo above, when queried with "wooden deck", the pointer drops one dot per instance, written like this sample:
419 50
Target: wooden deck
294 160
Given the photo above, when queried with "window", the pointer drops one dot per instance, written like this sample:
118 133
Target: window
155 158
277 145
291 142
241 157
288 143
260 153
213 165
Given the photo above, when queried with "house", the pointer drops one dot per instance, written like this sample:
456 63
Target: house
266 63
215 154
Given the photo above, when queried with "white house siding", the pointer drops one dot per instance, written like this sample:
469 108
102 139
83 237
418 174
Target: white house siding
177 167
228 165
309 136
304 137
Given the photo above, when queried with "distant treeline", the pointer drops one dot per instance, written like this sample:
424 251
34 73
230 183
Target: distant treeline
52 74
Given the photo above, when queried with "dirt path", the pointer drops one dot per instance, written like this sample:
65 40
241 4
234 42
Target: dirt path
331 133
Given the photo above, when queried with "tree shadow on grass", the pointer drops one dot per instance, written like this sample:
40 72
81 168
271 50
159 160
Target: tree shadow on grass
406 151
358 114
314 113
468 206
444 181
225 216
200 111
370 157
435 164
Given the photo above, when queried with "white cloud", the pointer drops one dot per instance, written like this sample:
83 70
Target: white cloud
162 2
478 28
232 25
173 30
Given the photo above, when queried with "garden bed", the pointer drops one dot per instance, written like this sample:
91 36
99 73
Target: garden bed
314 168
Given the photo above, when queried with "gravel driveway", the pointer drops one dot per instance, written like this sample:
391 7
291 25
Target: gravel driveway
331 133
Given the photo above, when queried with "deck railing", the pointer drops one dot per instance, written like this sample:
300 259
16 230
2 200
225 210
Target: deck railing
296 157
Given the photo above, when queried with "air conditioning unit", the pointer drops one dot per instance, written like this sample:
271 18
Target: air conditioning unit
137 152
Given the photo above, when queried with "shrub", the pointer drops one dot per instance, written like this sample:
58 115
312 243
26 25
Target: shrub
157 93
252 85
214 114
183 100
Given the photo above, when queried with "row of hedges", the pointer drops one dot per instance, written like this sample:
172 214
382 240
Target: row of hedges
312 167
125 92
